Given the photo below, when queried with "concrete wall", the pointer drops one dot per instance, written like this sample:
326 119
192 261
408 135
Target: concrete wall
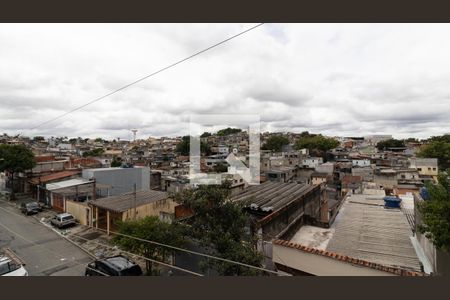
80 210
425 166
325 168
306 206
365 172
387 181
49 166
151 209
122 180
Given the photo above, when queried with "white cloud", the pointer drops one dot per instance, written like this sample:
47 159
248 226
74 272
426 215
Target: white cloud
339 79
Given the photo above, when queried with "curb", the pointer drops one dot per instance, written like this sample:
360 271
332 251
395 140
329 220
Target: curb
67 239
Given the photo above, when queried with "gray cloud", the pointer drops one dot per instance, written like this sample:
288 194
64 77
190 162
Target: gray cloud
338 79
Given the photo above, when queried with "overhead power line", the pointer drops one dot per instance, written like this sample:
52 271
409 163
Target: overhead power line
193 252
147 76
141 257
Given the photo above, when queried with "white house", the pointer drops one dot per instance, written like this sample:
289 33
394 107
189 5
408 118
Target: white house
312 162
361 162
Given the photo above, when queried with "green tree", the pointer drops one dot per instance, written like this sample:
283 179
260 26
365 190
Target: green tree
441 138
219 225
116 162
14 159
390 143
184 147
94 153
153 229
221 168
73 141
228 131
439 149
205 134
316 142
275 143
38 138
436 212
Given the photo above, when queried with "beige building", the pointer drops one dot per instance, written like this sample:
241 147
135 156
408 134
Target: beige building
107 212
425 166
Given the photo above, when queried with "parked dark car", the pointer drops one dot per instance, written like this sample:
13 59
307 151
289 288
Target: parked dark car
113 266
63 220
30 208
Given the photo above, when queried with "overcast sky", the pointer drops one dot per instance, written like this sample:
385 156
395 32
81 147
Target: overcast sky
334 79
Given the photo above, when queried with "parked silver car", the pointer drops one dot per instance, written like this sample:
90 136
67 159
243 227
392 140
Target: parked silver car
63 220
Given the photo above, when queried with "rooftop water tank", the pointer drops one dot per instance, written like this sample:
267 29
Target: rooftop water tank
392 202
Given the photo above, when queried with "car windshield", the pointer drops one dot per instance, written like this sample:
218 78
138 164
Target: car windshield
32 205
133 271
66 218
7 267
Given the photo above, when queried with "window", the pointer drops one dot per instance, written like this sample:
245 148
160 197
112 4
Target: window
429 169
434 169
419 169
104 269
4 268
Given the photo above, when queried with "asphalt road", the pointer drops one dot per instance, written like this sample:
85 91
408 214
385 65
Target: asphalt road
44 251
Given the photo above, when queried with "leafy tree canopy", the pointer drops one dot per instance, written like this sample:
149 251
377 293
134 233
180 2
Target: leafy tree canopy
228 131
38 138
390 143
116 162
205 134
15 158
438 148
153 229
184 147
275 143
95 152
220 225
221 168
442 138
436 212
316 142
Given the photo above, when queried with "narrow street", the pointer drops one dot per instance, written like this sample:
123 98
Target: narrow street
44 251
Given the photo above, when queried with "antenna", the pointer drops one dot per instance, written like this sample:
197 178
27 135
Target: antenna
134 131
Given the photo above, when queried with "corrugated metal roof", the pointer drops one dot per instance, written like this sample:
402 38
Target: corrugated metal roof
271 196
127 201
54 176
65 184
364 229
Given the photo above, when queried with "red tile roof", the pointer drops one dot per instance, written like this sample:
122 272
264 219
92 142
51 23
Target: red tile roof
54 176
347 259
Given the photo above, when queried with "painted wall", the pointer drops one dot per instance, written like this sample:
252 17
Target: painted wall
80 210
122 180
151 209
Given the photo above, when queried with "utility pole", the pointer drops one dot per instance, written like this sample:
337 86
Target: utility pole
134 202
94 191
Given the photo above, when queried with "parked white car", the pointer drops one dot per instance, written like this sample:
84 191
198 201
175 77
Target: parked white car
11 265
